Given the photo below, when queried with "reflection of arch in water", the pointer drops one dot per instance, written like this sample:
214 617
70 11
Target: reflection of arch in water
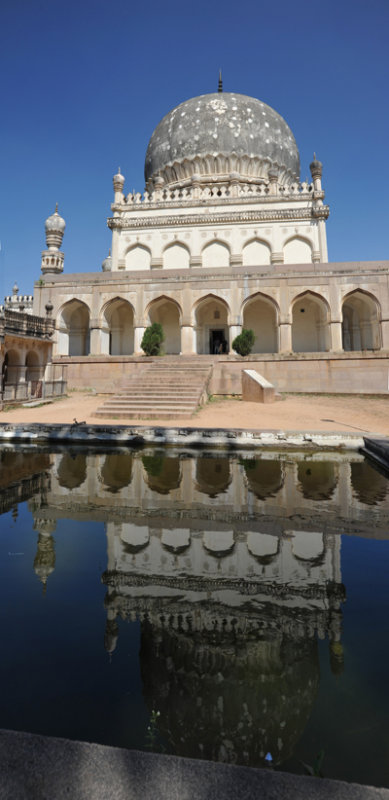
71 472
308 546
264 477
176 540
162 474
264 547
317 480
116 472
213 475
134 538
368 484
219 543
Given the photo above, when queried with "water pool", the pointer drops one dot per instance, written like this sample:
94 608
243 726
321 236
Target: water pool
208 606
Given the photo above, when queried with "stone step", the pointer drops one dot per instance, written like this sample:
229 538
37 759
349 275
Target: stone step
159 389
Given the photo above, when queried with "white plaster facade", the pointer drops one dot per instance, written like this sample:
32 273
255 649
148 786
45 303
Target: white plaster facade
207 250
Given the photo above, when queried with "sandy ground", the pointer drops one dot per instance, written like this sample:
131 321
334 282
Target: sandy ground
369 414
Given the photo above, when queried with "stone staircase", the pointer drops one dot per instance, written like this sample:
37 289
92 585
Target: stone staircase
161 389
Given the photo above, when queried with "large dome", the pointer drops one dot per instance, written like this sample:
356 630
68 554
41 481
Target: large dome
214 135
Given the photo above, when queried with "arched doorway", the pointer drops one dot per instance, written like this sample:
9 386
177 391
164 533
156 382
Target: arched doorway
117 331
360 322
310 330
212 334
73 327
34 373
260 314
168 314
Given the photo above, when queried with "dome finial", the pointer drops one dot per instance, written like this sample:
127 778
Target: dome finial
220 84
56 208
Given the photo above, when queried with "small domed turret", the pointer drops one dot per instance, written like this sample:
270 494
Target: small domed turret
107 263
55 227
118 184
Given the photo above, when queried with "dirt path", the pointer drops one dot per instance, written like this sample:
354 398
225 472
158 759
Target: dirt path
293 412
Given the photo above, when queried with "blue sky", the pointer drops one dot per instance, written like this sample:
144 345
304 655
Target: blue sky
84 84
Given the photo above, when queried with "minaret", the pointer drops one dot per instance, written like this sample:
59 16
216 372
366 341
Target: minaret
319 210
118 185
53 258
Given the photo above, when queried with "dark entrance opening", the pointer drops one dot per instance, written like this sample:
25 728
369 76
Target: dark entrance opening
217 341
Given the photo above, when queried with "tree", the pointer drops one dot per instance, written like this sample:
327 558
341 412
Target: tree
152 339
243 343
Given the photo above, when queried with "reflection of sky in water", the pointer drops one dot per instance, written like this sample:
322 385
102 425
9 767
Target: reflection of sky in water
210 589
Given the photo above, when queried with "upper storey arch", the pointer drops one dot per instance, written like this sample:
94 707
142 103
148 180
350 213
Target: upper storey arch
176 256
256 252
297 250
137 257
216 254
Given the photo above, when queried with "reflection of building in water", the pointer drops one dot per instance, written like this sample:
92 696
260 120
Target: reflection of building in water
233 569
44 562
268 489
23 475
229 623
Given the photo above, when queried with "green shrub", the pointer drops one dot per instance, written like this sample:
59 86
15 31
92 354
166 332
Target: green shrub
152 339
243 343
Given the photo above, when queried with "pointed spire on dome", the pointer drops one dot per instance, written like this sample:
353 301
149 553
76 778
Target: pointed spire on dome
220 84
56 208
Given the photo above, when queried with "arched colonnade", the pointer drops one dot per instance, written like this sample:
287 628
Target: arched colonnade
209 327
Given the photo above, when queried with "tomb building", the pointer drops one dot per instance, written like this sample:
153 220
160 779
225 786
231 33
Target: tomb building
225 237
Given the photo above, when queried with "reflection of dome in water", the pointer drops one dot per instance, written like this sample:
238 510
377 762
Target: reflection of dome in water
214 135
229 697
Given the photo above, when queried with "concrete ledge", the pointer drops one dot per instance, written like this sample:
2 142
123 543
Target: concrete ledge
256 388
41 768
377 450
137 436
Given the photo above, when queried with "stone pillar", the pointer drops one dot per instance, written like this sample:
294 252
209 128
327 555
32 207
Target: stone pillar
385 334
95 338
336 344
285 345
188 344
138 336
234 330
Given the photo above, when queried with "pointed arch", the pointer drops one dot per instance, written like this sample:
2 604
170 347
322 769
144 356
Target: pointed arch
137 257
176 255
361 326
310 323
73 328
256 252
297 250
260 313
168 313
216 253
212 314
117 327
